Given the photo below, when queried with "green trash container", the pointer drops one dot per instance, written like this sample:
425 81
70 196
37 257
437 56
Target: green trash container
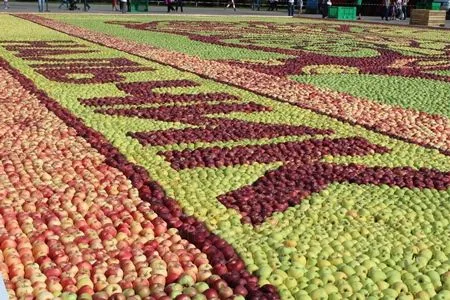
333 12
435 6
342 12
138 6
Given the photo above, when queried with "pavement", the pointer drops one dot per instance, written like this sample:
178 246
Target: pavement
160 8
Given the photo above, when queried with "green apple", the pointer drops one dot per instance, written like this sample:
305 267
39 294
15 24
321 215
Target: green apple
368 264
68 296
423 279
201 286
280 273
393 276
296 271
382 285
400 287
361 271
199 297
356 285
327 278
319 293
407 276
311 287
429 289
357 296
276 279
421 295
391 293
311 274
405 296
175 293
330 288
290 283
302 296
317 282
413 286
298 260
340 276
186 280
334 296
376 274
442 295
346 269
345 290
435 278
264 271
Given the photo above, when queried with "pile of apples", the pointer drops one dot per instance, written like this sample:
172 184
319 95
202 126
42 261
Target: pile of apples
72 227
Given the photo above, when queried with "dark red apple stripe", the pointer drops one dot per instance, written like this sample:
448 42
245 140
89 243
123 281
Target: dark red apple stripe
305 151
228 130
192 114
68 63
142 93
293 182
98 75
221 254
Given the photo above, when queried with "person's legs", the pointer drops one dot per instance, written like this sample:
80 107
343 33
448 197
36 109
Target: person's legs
404 12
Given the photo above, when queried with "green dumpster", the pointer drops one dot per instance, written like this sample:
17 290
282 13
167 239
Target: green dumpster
435 6
342 12
138 6
428 5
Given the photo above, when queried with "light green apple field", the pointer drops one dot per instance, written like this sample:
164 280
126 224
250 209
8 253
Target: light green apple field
189 157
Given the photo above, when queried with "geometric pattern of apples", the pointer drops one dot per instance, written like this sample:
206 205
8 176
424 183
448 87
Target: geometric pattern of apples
73 227
134 172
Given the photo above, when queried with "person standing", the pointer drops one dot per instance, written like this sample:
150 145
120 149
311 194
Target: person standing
169 6
358 8
114 5
386 5
399 10
41 4
256 4
404 8
325 7
86 5
231 3
5 4
123 6
290 8
179 3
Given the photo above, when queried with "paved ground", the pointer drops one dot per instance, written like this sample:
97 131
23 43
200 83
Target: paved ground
190 10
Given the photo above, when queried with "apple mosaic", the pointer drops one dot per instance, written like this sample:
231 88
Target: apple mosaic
137 172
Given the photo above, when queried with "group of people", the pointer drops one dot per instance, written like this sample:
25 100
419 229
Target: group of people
395 10
72 4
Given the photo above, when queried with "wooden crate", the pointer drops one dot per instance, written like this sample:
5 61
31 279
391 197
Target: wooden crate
427 17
